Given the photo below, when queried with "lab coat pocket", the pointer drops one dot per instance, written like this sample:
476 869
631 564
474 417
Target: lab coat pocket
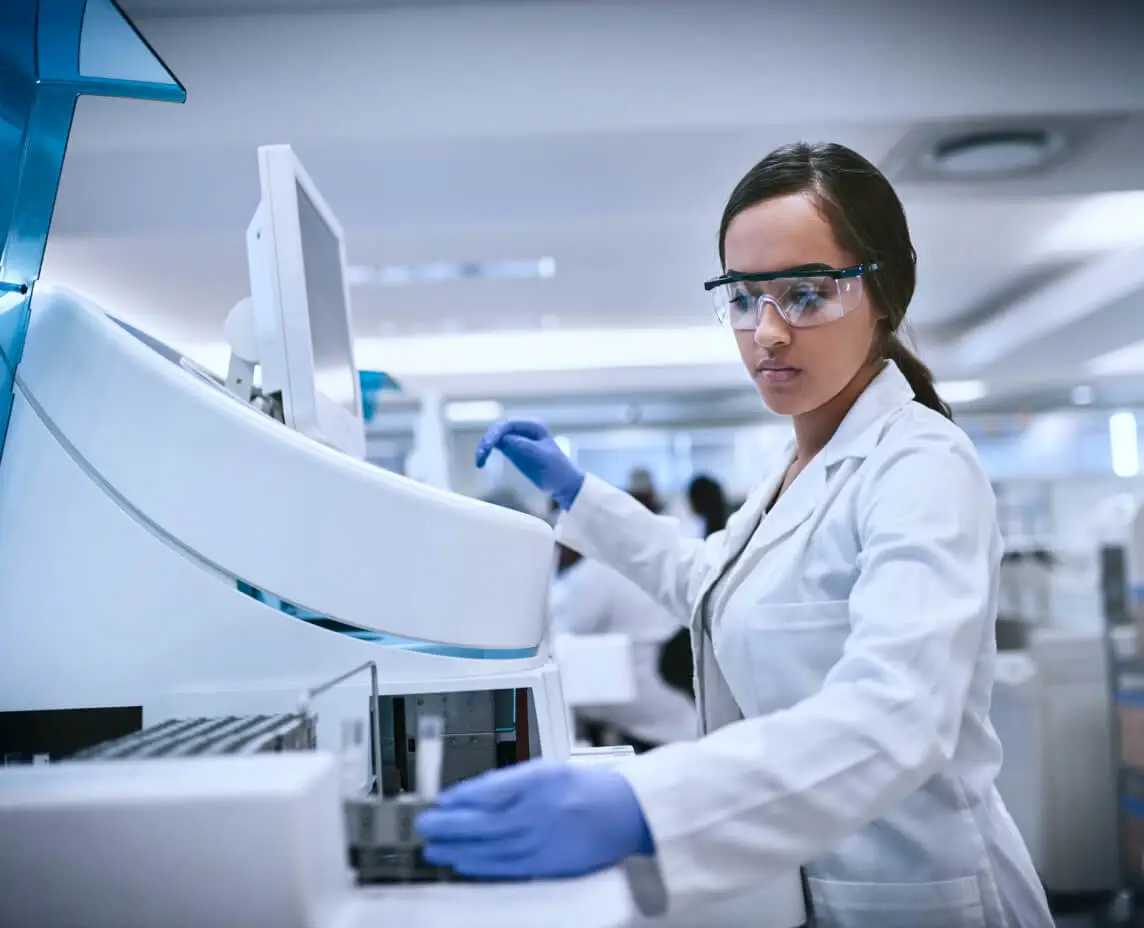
942 904
791 648
804 616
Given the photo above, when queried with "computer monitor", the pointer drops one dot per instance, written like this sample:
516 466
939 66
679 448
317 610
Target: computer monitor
301 305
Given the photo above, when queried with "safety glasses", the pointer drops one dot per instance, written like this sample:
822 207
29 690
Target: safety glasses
803 296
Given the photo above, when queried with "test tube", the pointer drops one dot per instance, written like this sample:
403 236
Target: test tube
353 757
430 755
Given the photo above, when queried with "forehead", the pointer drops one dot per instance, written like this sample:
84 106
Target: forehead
784 232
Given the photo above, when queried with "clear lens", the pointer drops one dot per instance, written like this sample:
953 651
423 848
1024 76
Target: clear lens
802 302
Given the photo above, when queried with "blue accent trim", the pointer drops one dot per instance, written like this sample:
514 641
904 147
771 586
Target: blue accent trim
390 641
13 329
44 45
1133 806
1130 698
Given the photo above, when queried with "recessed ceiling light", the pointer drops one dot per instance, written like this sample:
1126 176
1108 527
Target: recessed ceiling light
397 275
1082 395
996 153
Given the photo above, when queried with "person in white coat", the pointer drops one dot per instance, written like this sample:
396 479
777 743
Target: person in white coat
843 621
589 598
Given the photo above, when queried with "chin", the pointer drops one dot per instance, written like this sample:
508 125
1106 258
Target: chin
784 401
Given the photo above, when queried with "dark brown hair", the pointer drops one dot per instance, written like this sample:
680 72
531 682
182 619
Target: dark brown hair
868 222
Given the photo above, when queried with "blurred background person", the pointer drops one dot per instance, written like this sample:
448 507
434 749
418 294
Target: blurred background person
708 503
591 599
641 485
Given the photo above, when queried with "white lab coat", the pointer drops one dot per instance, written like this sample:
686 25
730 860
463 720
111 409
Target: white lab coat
846 681
589 598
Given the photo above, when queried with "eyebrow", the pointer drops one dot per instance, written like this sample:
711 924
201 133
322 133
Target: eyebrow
797 271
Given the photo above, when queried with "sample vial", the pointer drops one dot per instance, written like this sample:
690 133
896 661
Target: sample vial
430 755
354 758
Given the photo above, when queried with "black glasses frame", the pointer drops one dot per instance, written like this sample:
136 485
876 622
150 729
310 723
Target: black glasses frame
842 273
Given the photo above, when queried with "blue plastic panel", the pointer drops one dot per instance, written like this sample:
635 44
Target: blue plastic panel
51 51
373 383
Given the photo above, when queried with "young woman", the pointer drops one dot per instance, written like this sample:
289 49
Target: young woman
843 621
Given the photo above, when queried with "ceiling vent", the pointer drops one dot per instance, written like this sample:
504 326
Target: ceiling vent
991 150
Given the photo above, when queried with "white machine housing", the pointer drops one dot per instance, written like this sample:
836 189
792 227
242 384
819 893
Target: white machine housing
134 496
240 842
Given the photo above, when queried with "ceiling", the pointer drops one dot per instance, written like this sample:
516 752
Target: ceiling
607 135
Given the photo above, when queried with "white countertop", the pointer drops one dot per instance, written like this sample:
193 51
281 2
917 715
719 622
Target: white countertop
599 901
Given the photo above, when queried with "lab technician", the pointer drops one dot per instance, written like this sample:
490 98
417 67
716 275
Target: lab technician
843 620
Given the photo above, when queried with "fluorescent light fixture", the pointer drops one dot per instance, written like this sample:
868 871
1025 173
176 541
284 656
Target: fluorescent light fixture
1102 222
539 351
525 352
1122 439
398 275
961 391
474 411
1126 360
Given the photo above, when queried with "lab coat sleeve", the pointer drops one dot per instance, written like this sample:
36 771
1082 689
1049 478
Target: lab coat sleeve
651 551
763 796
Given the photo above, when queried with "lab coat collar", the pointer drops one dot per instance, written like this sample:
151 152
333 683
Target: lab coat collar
856 437
858 433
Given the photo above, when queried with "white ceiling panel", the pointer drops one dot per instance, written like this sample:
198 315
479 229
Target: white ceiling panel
603 134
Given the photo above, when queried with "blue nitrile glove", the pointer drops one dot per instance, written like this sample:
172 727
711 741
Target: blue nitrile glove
536 820
530 447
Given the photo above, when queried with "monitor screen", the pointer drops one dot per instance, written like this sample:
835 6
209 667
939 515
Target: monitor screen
335 375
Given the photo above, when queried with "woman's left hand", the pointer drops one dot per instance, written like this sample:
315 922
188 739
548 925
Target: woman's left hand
535 820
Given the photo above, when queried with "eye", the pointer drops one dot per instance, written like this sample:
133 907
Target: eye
810 294
739 302
808 297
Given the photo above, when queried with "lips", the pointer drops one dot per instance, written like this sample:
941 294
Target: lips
773 373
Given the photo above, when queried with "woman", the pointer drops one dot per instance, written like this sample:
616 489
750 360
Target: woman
843 620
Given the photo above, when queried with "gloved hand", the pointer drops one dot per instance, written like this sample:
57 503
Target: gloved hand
530 447
536 820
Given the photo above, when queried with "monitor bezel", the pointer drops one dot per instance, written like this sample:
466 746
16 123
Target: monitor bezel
281 305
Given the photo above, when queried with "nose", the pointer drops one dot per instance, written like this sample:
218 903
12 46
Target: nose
772 331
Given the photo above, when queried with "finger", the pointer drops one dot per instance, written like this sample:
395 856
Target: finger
490 440
496 789
454 852
480 863
464 825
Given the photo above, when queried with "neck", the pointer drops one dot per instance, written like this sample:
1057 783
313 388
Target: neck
813 429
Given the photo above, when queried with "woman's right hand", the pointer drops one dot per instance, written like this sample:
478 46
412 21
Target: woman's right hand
532 450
